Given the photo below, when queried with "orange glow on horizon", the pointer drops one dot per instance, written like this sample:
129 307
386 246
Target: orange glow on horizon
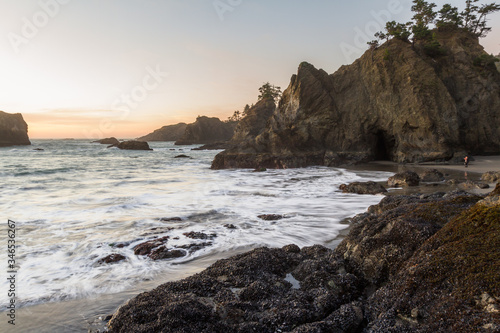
44 126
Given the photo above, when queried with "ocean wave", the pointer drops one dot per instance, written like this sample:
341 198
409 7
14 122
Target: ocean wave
83 197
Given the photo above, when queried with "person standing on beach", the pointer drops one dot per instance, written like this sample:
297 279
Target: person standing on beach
466 161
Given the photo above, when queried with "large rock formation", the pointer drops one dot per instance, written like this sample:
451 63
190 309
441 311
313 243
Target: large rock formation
419 263
249 127
13 130
255 121
394 103
166 133
207 130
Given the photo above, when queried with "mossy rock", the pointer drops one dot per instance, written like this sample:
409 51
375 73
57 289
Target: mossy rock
447 279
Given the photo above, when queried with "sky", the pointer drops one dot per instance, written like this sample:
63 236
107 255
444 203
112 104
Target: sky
101 68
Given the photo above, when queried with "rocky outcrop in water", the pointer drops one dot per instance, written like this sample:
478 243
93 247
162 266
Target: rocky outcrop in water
112 258
362 188
207 130
166 133
394 103
417 263
133 145
108 141
13 130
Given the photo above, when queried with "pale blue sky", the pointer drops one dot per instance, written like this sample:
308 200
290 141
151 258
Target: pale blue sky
81 68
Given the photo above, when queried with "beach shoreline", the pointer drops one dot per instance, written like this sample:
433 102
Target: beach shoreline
479 165
108 304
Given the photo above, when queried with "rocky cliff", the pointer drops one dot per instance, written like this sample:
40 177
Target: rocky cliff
13 130
255 121
166 133
207 130
394 103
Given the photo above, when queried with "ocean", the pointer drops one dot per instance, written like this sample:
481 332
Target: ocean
74 201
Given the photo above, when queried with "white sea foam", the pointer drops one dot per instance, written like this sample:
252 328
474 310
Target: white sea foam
78 199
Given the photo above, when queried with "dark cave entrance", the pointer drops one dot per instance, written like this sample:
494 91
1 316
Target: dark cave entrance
384 146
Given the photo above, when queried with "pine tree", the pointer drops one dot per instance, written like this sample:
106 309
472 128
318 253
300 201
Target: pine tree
269 91
449 17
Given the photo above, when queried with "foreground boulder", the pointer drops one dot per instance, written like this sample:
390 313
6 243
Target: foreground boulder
378 244
206 130
362 188
491 176
406 178
431 175
13 130
249 292
394 103
418 263
471 185
450 284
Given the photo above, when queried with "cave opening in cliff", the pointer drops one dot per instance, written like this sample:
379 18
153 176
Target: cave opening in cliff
384 146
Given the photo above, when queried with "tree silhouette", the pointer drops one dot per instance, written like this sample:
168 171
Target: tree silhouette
268 90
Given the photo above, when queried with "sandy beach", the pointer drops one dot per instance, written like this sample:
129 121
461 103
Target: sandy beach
459 172
480 164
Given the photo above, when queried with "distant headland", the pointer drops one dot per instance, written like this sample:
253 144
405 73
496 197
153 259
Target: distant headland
13 130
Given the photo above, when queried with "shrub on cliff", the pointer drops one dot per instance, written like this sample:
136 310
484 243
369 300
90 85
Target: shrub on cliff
419 30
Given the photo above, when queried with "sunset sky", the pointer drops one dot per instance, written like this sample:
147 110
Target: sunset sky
94 68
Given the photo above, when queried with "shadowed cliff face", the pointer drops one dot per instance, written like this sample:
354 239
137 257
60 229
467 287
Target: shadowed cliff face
394 103
255 121
13 130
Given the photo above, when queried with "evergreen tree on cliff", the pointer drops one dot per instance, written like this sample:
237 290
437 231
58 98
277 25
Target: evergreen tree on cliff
269 91
473 19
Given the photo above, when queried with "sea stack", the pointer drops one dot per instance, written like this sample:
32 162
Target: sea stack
395 103
13 130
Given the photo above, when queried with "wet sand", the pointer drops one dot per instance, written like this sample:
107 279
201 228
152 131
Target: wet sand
473 172
481 164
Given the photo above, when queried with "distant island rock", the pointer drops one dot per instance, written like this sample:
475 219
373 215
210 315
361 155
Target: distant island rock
133 145
107 141
394 103
207 130
13 130
166 133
